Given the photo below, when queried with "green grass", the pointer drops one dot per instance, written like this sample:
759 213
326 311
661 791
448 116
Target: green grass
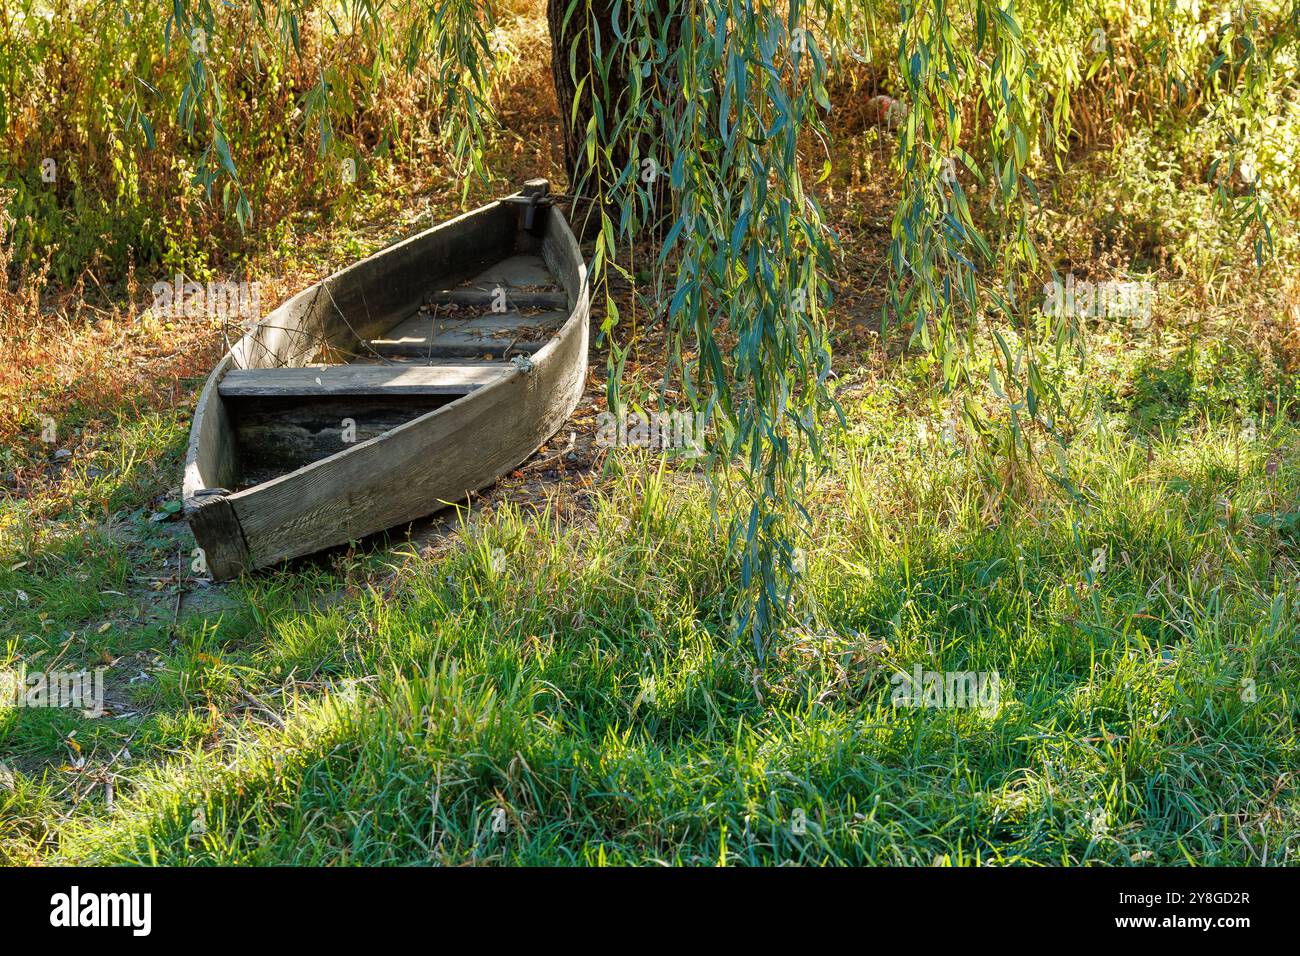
585 703
385 707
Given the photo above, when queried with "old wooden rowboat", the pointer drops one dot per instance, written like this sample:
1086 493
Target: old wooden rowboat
391 388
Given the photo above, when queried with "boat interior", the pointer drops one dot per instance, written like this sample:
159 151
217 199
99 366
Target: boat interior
336 373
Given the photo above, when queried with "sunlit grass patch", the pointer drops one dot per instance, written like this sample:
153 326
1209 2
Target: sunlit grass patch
548 693
560 684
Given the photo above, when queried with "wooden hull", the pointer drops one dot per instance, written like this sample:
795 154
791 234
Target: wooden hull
419 466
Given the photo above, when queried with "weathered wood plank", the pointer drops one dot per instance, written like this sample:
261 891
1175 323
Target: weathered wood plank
526 270
211 459
493 333
486 298
498 350
339 380
216 528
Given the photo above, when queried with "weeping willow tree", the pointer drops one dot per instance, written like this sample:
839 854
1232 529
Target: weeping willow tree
700 126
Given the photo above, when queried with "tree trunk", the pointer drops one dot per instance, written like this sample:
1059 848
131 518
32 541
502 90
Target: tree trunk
566 41
572 40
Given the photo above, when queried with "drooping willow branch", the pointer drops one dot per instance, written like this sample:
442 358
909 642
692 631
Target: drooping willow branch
704 148
446 43
693 122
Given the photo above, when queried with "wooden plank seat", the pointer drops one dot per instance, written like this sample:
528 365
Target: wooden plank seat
495 333
357 380
527 271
